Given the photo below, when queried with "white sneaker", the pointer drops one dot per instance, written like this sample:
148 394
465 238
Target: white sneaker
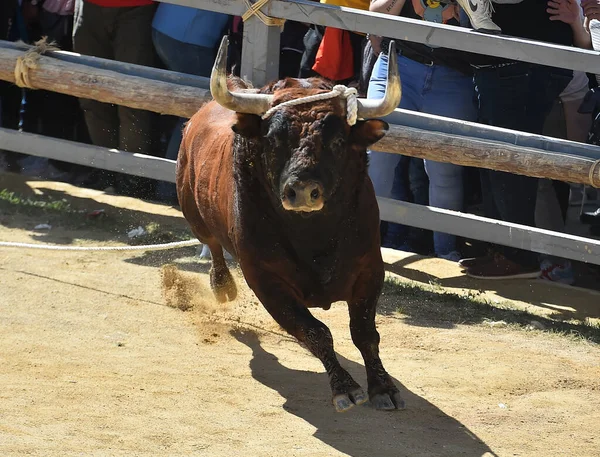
480 15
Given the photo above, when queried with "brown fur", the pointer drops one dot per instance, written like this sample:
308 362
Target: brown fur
228 186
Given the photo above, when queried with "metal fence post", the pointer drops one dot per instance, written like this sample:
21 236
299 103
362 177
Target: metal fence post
260 52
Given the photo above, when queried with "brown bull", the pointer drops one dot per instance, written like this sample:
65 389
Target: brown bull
289 196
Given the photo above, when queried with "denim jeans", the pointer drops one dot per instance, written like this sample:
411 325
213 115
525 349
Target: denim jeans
183 58
518 96
436 90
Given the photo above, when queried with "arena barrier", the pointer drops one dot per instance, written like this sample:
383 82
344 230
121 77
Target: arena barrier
413 134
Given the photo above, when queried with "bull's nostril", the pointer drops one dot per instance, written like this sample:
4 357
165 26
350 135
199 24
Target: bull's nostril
289 192
315 194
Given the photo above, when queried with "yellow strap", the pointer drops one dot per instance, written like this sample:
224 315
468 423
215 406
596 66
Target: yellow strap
29 60
254 10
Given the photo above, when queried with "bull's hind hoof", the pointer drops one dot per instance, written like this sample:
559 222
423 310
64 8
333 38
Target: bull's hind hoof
223 285
343 402
386 402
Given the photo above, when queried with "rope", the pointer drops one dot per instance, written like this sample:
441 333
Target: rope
254 10
145 247
349 93
593 172
29 61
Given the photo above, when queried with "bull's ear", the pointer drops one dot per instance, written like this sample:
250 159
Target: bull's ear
365 133
247 125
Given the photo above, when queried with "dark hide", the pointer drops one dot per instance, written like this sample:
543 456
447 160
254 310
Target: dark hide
230 187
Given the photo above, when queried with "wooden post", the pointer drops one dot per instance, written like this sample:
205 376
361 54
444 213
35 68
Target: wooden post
260 52
107 86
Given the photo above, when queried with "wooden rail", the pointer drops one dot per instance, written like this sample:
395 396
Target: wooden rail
168 98
107 85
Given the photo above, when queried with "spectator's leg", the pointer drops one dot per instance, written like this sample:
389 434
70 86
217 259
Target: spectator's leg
133 44
183 58
390 172
517 96
138 129
93 37
449 93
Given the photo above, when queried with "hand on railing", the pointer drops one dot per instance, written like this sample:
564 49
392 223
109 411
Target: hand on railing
570 12
567 11
591 9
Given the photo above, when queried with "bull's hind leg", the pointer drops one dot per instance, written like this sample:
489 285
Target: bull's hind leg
383 393
221 280
297 320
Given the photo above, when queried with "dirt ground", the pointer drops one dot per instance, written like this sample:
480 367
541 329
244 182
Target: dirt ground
98 359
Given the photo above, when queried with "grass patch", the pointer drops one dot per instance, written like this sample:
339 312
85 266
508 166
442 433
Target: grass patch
432 304
10 200
61 213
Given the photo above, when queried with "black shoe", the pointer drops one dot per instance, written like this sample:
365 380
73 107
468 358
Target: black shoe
595 230
591 217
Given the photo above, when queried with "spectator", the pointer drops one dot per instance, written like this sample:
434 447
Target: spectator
186 40
591 11
18 21
434 81
564 121
516 95
119 30
61 115
334 53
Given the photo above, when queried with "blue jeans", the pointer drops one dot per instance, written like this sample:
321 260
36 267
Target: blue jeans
183 58
436 90
517 96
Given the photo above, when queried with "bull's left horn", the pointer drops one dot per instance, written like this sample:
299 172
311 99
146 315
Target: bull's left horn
236 101
369 108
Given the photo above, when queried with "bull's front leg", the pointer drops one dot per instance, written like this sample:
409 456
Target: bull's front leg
297 320
383 393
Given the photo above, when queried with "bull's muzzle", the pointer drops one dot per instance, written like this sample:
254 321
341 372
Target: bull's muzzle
303 196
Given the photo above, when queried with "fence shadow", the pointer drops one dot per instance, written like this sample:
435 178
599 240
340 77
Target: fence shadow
420 430
73 216
566 302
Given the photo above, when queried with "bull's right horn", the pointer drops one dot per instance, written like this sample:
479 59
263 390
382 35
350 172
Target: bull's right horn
236 101
370 108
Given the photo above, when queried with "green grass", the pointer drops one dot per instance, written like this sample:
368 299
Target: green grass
431 305
10 200
60 213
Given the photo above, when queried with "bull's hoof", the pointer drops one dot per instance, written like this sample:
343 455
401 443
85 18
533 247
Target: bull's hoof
343 402
388 402
223 285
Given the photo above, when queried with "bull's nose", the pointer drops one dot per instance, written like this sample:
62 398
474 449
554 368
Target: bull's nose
302 196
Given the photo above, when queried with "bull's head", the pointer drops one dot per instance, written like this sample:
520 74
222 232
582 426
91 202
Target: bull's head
308 151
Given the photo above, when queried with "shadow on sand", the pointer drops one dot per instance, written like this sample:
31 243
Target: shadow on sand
566 302
420 430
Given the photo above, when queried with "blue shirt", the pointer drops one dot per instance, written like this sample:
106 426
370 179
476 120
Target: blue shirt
190 25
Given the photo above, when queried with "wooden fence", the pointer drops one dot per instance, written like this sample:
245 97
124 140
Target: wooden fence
414 134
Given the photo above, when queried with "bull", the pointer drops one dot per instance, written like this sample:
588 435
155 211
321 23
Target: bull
280 181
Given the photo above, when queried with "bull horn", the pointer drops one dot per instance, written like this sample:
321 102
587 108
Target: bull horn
240 102
370 108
